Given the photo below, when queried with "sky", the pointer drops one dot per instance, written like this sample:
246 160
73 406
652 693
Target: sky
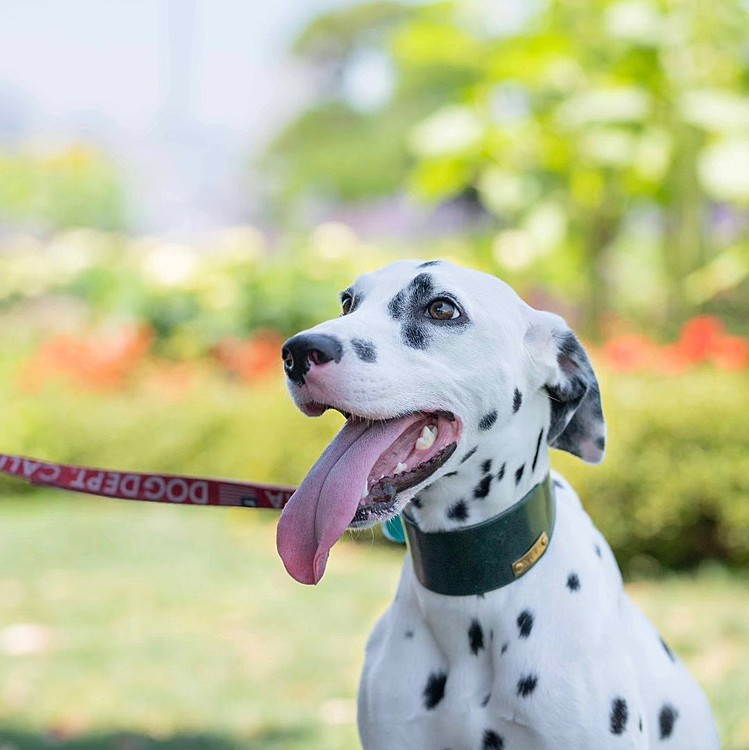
182 92
89 62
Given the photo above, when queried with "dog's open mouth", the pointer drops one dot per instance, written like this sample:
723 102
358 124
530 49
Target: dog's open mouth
367 474
416 454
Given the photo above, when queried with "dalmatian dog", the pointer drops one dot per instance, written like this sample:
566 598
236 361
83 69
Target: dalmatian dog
453 390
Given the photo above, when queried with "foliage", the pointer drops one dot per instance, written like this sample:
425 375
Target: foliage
608 138
593 128
190 297
672 489
206 643
75 186
341 150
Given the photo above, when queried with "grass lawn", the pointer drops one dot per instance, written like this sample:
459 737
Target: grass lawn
156 628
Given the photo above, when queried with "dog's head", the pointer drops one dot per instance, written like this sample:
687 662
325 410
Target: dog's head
425 359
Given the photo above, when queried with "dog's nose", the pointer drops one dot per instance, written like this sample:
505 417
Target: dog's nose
306 349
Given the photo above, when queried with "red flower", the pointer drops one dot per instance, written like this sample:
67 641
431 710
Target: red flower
251 359
730 353
699 337
100 360
629 353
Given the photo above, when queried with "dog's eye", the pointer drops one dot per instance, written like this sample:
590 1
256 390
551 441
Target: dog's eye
346 301
443 309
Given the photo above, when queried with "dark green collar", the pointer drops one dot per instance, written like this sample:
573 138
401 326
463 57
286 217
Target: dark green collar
489 555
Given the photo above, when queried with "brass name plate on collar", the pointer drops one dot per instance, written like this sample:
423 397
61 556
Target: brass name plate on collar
532 556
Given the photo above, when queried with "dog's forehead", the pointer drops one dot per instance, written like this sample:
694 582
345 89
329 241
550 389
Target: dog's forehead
442 276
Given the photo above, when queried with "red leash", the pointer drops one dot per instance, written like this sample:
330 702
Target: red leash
151 488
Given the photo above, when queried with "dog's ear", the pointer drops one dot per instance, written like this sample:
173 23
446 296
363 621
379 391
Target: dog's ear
577 424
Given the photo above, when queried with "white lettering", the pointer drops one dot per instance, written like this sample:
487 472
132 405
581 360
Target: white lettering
29 467
176 490
78 482
199 492
130 485
94 482
275 498
113 479
48 473
153 488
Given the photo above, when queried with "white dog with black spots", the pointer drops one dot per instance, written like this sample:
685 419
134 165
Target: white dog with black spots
453 390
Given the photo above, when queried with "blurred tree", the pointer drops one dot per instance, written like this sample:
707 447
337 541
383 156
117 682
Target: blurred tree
612 135
587 119
351 144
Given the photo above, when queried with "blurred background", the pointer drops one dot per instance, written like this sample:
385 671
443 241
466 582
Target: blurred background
185 183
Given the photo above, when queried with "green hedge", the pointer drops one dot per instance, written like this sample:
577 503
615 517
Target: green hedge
674 487
672 490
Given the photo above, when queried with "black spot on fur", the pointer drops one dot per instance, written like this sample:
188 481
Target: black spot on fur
525 623
666 720
619 715
517 401
598 550
475 637
409 634
469 454
434 691
480 596
488 420
481 490
486 467
485 702
519 474
504 647
396 306
492 741
365 350
416 501
451 474
428 263
526 685
573 582
421 285
558 484
458 511
414 336
639 724
501 473
667 649
538 448
409 307
600 443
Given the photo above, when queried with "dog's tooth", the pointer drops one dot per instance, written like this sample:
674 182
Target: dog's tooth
400 468
426 439
365 491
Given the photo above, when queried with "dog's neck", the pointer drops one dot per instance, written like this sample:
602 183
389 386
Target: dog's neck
507 462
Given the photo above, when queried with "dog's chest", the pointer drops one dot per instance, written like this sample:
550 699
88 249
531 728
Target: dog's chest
500 662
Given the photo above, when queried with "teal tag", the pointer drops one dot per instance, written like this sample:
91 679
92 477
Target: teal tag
393 530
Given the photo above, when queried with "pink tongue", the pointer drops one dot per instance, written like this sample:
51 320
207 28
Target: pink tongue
325 504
